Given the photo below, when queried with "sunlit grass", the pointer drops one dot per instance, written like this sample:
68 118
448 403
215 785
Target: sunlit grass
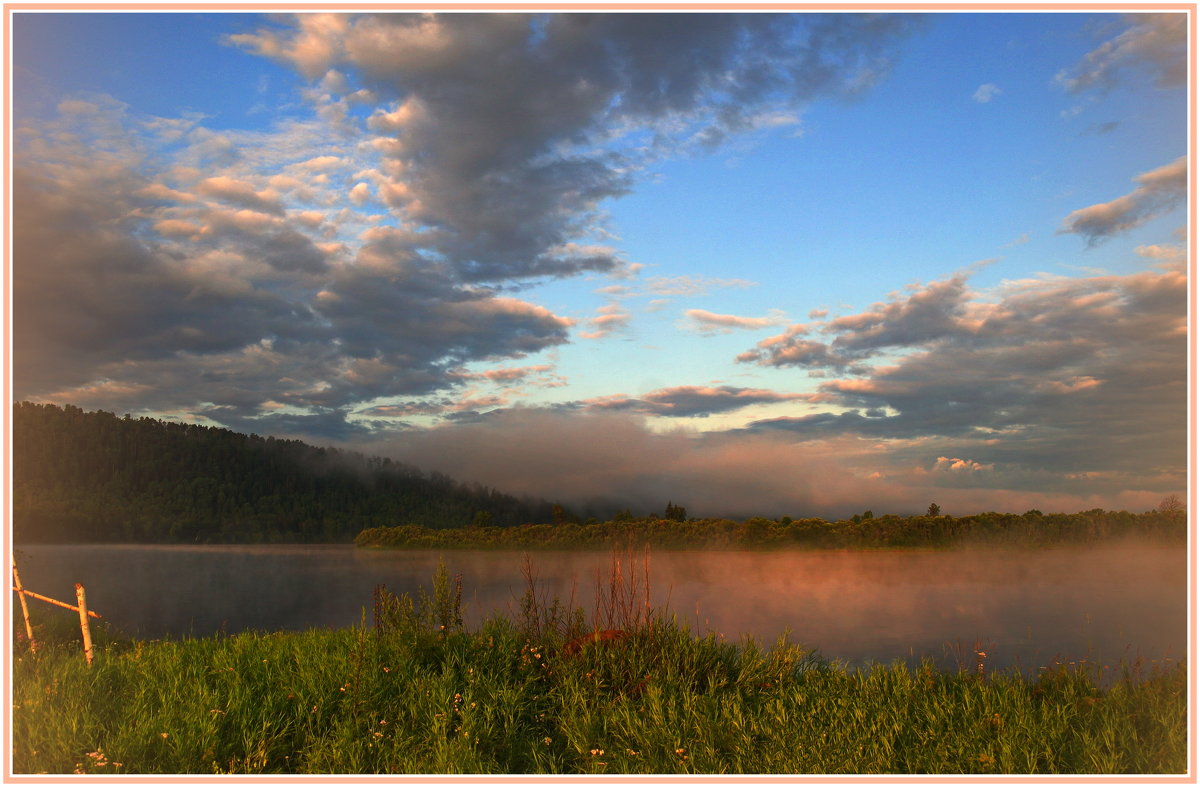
415 692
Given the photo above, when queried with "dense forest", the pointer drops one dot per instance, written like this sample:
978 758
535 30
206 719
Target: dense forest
96 477
862 531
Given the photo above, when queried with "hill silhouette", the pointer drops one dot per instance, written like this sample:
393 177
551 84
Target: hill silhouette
96 477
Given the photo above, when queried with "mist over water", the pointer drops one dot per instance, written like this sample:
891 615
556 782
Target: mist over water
1022 607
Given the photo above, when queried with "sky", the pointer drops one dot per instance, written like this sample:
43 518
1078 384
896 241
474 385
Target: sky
768 264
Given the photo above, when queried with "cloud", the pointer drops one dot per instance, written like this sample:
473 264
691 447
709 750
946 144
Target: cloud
131 294
606 461
986 92
924 314
1153 44
709 322
945 464
610 319
241 194
512 374
162 264
691 285
1018 382
569 102
689 401
1159 191
612 461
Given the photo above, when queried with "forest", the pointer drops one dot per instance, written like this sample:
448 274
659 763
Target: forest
96 477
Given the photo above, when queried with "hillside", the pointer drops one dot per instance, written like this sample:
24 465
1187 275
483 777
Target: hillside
94 477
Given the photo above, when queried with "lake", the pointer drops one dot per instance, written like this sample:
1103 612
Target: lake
1022 607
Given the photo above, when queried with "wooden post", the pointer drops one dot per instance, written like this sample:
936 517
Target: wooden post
24 606
83 623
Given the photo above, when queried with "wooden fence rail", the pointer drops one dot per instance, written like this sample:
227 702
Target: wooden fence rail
80 606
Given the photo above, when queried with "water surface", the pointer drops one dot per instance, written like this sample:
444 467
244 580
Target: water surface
1022 607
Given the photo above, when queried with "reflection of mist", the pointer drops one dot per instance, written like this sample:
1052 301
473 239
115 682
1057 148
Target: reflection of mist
1025 607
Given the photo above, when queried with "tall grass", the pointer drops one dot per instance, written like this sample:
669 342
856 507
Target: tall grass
414 691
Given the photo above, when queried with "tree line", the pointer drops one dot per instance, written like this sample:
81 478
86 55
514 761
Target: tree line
96 477
861 531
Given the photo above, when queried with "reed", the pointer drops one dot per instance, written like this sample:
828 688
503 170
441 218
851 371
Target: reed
418 692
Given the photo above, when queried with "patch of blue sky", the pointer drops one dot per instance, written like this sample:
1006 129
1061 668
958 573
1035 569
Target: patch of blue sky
162 64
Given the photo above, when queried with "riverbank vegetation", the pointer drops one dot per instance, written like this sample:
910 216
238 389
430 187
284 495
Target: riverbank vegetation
553 689
1033 528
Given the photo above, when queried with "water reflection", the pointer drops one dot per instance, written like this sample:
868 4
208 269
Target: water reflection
1022 607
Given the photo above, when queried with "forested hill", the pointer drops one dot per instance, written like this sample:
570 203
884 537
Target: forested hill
88 477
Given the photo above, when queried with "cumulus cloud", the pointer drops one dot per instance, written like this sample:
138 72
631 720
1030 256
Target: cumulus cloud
1152 44
569 103
131 292
1159 191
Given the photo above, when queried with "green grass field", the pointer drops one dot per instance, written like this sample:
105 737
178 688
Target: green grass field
411 691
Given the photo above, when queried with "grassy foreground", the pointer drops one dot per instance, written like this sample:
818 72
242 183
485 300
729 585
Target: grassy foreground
417 693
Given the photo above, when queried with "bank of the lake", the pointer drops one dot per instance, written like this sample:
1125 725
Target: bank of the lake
414 691
861 531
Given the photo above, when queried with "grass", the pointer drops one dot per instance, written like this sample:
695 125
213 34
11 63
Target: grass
415 692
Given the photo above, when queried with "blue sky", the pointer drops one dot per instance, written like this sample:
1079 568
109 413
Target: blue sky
773 264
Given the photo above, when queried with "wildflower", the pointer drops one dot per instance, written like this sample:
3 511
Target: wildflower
387 669
986 759
546 741
597 752
383 721
163 734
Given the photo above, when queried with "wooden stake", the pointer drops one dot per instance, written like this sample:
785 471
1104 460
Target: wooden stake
24 606
55 601
83 623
